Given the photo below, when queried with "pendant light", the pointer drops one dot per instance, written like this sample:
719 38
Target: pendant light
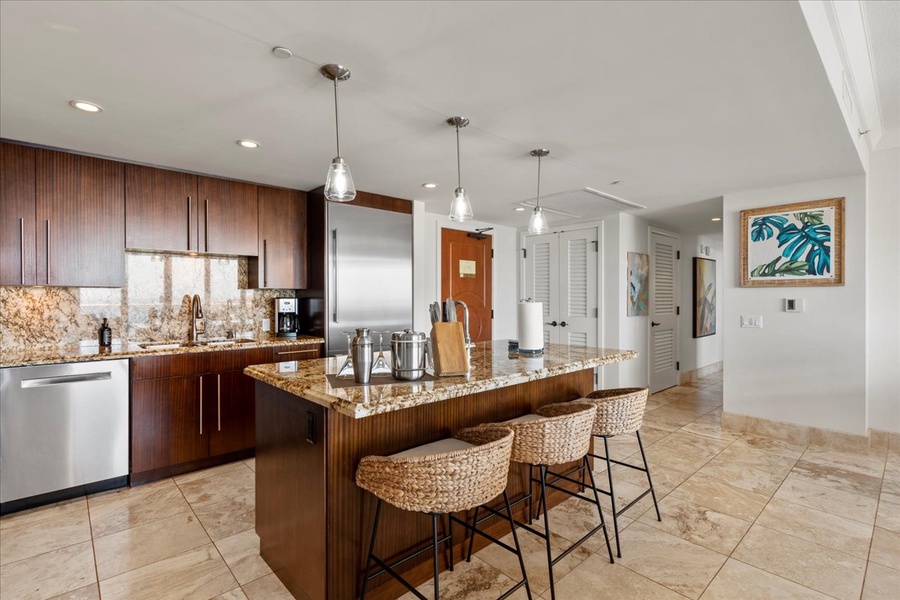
460 208
538 222
339 183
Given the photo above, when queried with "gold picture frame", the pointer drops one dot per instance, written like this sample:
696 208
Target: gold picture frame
798 244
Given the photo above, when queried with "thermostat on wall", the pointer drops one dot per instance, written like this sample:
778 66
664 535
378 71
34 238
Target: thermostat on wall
793 305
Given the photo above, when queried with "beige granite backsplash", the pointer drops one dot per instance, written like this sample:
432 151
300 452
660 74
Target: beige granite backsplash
154 304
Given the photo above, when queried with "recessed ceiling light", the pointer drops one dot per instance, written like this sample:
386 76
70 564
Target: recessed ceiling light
250 144
616 182
716 219
86 106
282 52
430 186
520 209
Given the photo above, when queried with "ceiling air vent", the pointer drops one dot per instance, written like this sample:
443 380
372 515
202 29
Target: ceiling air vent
586 203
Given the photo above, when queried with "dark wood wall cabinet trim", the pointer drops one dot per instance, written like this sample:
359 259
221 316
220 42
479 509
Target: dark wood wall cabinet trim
17 228
370 200
280 262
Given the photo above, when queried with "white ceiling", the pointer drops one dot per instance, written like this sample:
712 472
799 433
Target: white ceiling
682 101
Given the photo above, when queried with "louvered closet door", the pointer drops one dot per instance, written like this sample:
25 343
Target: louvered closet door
578 287
542 279
663 315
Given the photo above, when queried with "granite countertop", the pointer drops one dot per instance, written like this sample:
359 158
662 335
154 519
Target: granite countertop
493 367
92 351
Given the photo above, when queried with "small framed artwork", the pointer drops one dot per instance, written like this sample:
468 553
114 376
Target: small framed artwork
704 297
793 244
638 279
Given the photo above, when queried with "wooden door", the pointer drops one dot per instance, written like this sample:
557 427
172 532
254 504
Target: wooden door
663 312
166 423
542 280
80 219
160 209
232 412
466 275
578 307
230 213
281 262
17 197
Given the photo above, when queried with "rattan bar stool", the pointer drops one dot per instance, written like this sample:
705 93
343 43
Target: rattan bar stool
556 434
621 411
451 475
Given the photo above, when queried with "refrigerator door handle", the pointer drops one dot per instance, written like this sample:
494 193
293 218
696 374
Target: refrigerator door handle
334 264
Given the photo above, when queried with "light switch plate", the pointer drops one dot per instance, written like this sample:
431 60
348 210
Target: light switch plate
752 321
266 325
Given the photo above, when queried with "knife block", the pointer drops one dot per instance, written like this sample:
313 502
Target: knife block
449 345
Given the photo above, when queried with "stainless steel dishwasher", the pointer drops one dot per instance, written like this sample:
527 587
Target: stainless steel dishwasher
63 431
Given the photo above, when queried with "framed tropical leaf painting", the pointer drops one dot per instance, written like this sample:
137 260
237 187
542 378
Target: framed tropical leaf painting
704 297
638 278
793 244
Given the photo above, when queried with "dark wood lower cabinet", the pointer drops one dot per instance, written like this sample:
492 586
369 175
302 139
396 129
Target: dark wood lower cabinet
191 411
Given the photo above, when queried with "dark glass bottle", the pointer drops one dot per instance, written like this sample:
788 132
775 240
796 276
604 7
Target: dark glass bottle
105 334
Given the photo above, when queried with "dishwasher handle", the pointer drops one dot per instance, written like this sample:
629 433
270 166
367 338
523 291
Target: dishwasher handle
64 379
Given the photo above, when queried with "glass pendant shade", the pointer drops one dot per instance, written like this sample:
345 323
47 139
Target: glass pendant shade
538 222
339 183
460 208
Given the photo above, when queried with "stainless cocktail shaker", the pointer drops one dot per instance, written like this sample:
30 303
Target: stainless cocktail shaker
362 352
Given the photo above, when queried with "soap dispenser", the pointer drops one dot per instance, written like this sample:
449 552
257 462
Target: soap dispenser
105 334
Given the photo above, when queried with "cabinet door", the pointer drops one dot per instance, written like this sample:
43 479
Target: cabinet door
282 240
160 209
80 220
230 217
231 412
16 215
166 423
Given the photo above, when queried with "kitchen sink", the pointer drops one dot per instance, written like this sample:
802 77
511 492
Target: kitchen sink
174 344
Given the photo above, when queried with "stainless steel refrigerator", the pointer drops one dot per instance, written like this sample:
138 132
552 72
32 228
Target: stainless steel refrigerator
366 276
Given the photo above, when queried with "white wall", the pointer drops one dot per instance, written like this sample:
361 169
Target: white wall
694 353
427 269
883 289
807 368
634 332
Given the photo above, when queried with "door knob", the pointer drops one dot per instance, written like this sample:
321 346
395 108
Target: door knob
551 323
563 324
654 324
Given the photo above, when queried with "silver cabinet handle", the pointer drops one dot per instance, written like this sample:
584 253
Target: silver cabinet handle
334 258
219 398
206 226
265 263
294 352
63 379
201 405
22 246
189 224
48 251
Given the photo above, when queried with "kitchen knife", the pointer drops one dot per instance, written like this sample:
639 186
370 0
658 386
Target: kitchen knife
450 310
435 309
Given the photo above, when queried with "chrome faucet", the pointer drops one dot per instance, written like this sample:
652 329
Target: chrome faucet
197 315
465 308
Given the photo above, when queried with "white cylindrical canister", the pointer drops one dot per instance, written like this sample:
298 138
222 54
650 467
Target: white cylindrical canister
531 326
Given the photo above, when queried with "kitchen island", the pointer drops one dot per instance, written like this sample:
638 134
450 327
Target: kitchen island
314 522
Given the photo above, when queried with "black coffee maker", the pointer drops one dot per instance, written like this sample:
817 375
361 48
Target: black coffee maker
287 321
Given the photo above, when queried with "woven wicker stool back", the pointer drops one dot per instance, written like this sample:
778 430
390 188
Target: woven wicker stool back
619 410
563 436
446 482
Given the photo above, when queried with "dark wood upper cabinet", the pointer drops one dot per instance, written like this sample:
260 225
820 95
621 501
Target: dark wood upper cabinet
17 251
281 259
229 214
80 220
160 210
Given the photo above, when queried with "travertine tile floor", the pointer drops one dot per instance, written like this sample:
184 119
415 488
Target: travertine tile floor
744 517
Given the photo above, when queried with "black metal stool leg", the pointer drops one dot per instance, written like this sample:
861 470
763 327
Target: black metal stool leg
587 467
512 526
365 580
647 469
472 538
612 495
543 469
434 530
450 535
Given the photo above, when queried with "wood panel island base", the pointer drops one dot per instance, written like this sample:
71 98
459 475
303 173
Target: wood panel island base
314 523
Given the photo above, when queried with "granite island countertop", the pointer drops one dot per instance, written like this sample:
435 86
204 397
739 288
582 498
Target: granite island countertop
91 351
493 367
